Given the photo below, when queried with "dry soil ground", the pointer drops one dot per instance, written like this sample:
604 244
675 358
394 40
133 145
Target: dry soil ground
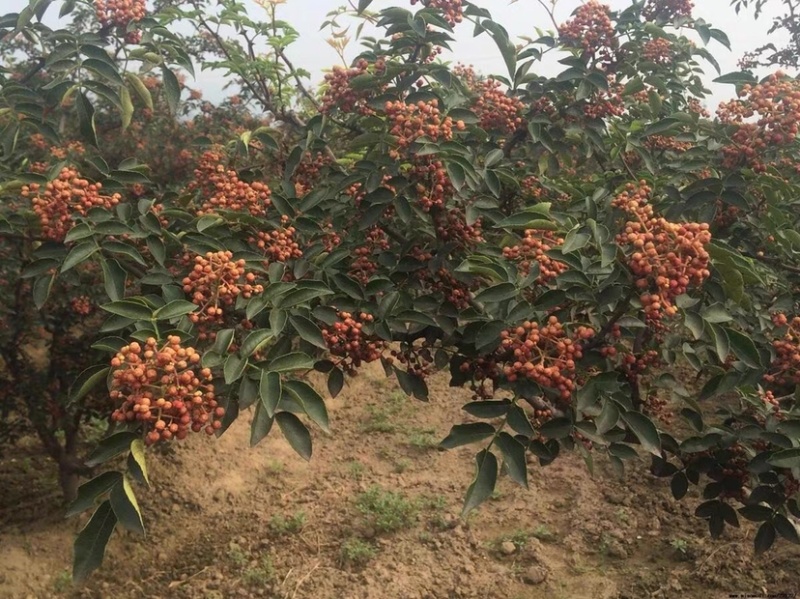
228 521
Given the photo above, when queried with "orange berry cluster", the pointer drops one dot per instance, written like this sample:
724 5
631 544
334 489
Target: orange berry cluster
658 50
409 122
308 171
544 354
432 183
533 248
696 107
339 94
417 360
606 103
119 13
221 189
363 266
452 9
82 305
67 195
346 339
667 9
667 257
358 193
452 226
214 283
591 30
785 367
497 110
767 116
663 143
165 389
278 245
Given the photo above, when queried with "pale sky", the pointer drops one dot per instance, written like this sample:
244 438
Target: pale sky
312 52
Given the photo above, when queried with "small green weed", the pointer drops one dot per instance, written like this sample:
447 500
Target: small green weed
260 575
283 525
355 552
387 511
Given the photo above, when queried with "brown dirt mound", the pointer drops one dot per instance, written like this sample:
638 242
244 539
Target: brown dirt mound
228 521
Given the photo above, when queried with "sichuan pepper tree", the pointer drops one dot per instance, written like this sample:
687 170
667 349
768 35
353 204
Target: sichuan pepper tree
567 247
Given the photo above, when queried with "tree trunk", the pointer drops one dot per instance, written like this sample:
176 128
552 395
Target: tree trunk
68 479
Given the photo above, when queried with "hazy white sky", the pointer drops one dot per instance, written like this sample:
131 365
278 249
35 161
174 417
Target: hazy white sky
312 52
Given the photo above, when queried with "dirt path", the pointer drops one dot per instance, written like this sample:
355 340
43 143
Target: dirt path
374 515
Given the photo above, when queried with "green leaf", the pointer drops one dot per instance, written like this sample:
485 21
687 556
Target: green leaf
174 309
483 484
311 401
114 277
786 529
89 491
41 290
270 390
744 348
261 425
125 507
764 538
111 447
645 431
255 341
86 118
513 458
609 416
497 293
308 331
557 428
79 254
488 409
296 433
138 458
90 544
172 89
129 309
291 362
787 458
140 89
464 434
87 380
234 368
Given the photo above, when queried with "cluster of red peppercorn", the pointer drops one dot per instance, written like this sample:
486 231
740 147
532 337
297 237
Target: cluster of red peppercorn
785 367
358 193
497 110
663 143
431 183
119 13
667 257
544 354
775 104
591 30
67 195
409 122
82 305
346 339
417 359
363 265
667 10
339 94
308 172
165 389
221 189
658 50
452 9
606 103
278 245
214 283
452 226
533 248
